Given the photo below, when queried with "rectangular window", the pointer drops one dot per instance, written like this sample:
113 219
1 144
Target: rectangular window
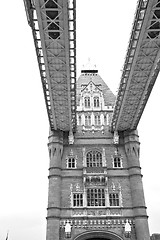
117 162
71 162
77 199
94 159
114 199
95 197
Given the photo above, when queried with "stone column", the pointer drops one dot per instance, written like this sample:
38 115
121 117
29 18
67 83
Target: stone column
131 141
55 146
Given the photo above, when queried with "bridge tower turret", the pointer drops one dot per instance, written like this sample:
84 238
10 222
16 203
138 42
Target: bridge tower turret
55 147
132 149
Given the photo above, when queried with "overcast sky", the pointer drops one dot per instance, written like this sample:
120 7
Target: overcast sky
103 30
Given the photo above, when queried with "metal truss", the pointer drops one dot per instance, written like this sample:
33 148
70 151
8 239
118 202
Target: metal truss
141 67
53 26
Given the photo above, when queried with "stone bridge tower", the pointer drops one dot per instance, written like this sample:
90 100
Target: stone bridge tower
95 181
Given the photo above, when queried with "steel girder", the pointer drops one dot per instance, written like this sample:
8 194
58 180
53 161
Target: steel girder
141 67
53 26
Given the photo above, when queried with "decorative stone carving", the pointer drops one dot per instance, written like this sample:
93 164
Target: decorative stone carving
71 152
71 137
77 188
113 187
77 212
116 138
95 180
107 223
96 212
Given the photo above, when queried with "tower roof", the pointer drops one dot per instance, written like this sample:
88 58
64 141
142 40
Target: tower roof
88 75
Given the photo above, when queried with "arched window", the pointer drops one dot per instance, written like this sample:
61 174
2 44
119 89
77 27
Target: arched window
87 120
96 102
80 120
97 120
87 102
94 159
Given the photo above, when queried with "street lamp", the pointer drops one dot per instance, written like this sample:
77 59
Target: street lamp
127 229
67 229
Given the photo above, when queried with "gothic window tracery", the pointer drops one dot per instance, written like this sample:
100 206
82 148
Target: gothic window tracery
87 120
95 197
77 196
95 180
71 160
77 199
114 199
96 102
87 102
97 120
71 163
117 162
94 159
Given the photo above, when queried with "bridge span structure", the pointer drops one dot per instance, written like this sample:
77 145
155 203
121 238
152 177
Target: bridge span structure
53 24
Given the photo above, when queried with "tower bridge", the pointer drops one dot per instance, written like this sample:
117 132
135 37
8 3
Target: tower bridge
95 180
53 25
141 66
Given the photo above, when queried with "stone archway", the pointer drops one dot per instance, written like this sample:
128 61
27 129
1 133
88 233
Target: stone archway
98 235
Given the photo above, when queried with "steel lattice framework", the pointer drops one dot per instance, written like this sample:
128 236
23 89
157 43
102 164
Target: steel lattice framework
141 67
53 26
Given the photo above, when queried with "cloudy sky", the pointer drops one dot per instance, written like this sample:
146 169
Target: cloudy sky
103 29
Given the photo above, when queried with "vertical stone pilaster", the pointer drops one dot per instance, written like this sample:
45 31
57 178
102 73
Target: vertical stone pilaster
131 141
84 157
55 146
104 157
92 118
85 197
107 197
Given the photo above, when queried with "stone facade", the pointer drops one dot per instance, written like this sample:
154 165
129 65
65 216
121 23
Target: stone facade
95 183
